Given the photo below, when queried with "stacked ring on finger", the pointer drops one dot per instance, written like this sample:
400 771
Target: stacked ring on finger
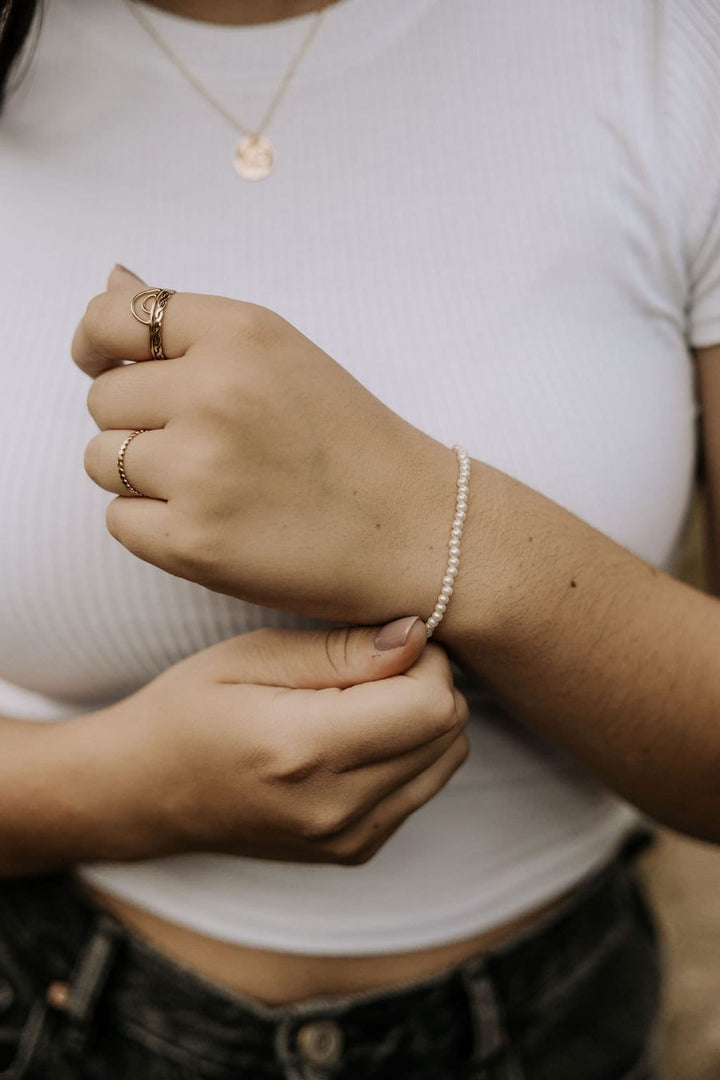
121 462
148 307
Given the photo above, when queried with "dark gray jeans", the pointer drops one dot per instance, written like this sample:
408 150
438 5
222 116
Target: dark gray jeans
82 998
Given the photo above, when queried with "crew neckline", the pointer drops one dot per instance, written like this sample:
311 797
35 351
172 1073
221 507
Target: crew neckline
352 31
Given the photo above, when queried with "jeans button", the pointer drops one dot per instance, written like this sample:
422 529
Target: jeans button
7 996
320 1042
57 995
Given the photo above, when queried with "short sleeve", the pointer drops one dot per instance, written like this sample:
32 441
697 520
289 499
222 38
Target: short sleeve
693 156
704 297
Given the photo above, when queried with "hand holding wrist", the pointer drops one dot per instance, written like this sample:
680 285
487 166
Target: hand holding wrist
278 744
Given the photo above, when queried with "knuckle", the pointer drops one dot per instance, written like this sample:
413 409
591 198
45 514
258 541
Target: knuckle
256 325
94 397
463 748
294 765
440 702
113 520
189 545
96 318
358 852
337 651
462 708
91 458
99 398
325 821
355 858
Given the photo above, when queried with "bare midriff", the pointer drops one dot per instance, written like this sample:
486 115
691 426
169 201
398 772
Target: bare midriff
278 978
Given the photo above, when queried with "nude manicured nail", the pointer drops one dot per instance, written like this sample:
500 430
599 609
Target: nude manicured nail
395 634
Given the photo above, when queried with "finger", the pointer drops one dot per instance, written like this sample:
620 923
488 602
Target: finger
362 839
147 462
378 721
133 521
316 659
366 787
109 335
138 395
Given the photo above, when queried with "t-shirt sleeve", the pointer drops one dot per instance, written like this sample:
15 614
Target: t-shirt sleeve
693 100
704 295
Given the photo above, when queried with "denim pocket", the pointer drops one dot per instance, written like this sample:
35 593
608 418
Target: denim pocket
599 1020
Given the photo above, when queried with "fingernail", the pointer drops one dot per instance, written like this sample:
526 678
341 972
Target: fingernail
395 634
119 266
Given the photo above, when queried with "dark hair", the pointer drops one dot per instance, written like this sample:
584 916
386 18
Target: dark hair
16 20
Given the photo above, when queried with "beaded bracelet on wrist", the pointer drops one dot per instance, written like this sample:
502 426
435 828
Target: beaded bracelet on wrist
448 582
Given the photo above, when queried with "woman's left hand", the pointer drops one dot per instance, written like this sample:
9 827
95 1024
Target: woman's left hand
269 472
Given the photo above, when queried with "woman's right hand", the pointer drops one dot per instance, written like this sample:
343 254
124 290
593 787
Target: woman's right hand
309 746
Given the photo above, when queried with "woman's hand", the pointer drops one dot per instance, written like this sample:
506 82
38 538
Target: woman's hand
271 473
298 745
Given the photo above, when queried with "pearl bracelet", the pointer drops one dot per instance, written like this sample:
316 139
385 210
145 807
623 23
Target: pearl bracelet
456 532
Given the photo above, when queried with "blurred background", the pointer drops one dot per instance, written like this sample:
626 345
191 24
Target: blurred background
683 878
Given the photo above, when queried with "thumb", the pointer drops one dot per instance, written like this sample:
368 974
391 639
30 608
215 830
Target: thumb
122 278
317 659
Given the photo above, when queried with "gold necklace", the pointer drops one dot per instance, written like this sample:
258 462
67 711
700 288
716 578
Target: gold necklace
254 155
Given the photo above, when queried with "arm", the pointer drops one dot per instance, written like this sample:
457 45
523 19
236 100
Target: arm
67 795
599 651
613 660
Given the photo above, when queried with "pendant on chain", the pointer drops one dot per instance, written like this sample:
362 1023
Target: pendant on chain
254 157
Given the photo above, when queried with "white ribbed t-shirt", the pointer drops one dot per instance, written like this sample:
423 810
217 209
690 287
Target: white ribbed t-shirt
503 218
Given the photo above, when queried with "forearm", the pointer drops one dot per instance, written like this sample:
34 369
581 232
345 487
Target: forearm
71 792
606 656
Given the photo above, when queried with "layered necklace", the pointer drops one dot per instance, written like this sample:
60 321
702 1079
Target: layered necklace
254 155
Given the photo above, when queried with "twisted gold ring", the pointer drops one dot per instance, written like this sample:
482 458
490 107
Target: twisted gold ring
121 462
148 307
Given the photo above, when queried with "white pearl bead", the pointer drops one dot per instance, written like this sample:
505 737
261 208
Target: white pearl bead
456 532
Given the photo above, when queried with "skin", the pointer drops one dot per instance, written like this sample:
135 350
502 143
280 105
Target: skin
562 625
381 733
542 622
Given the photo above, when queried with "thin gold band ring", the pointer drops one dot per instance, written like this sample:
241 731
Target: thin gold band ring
121 462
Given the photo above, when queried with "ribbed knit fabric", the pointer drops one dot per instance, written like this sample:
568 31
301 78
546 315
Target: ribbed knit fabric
503 218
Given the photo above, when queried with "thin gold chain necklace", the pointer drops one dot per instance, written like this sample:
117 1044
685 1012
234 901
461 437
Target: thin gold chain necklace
254 156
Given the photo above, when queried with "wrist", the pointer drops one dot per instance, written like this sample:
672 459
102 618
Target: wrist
110 788
409 553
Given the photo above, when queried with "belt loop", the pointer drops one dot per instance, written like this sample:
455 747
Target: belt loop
87 980
29 1040
493 1057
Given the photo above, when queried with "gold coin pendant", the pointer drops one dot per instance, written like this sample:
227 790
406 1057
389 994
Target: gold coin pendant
254 157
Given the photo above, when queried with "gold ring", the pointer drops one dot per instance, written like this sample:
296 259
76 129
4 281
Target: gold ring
148 307
121 462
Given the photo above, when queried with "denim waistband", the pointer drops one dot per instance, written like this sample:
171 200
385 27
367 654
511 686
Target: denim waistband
66 938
